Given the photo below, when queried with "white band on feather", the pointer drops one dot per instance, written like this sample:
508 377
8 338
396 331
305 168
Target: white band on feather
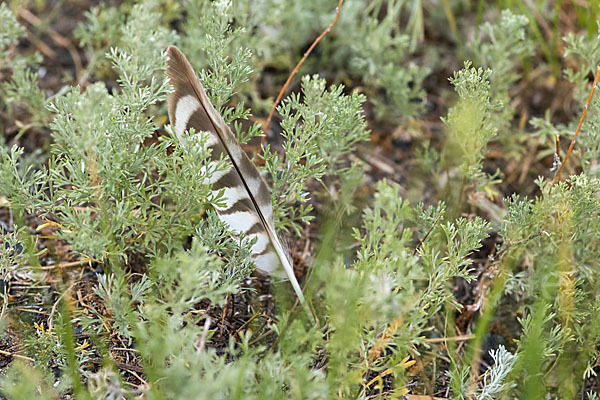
186 106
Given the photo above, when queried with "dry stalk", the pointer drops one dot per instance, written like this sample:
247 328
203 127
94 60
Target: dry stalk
304 57
587 104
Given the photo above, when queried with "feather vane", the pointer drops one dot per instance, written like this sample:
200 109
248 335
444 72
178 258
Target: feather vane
248 208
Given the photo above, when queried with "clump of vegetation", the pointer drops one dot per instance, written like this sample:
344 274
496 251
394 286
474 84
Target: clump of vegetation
432 260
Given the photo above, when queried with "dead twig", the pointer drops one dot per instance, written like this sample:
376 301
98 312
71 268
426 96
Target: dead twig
564 162
129 367
427 234
558 149
202 343
252 318
224 313
13 355
304 57
125 349
132 372
29 310
459 338
65 264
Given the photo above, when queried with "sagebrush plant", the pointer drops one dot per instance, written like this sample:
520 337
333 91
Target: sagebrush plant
22 89
503 46
470 125
483 112
136 261
318 132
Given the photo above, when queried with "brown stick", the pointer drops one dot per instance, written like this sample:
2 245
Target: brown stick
427 234
459 338
562 165
9 354
65 264
224 312
306 54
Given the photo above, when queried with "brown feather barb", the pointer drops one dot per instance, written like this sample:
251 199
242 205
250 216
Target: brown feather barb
248 207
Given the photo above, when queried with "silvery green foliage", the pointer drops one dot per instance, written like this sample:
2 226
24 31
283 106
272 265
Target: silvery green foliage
462 238
494 379
561 320
212 233
22 185
12 252
11 31
22 381
118 33
459 382
219 50
469 123
22 88
494 383
388 283
502 46
121 299
320 126
370 50
100 157
584 50
377 50
374 48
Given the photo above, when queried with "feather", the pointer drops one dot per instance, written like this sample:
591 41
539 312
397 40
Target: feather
248 208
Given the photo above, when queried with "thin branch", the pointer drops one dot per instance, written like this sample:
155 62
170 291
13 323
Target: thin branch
558 149
224 312
562 165
427 234
306 54
202 343
460 338
66 264
14 355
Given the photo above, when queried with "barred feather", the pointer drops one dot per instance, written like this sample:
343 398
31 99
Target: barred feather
248 207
